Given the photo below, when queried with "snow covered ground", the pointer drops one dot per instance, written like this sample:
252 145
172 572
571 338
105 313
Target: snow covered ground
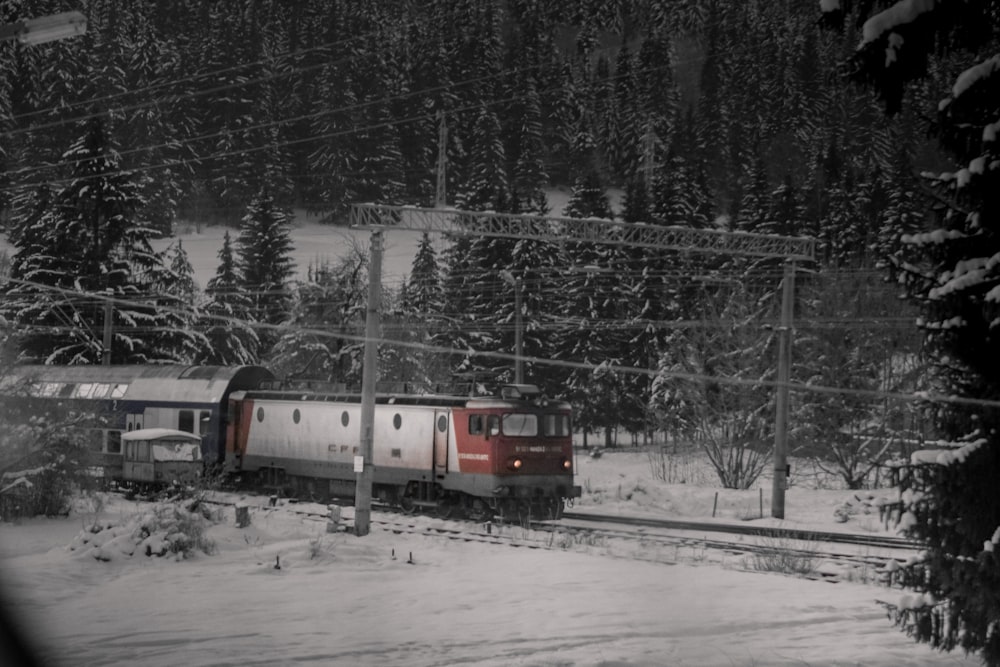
342 600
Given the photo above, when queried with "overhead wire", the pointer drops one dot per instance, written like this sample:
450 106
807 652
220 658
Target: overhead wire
794 386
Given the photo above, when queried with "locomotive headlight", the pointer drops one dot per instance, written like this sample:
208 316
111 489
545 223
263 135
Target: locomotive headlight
514 463
567 464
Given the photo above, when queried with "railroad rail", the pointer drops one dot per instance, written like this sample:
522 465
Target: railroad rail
820 555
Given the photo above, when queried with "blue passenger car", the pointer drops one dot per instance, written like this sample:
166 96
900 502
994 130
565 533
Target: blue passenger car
193 399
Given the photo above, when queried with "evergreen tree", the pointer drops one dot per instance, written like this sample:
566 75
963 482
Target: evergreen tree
526 150
326 326
420 305
226 318
265 265
486 187
949 500
84 246
588 198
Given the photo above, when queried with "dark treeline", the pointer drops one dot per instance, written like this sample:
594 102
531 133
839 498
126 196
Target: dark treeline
697 109
704 114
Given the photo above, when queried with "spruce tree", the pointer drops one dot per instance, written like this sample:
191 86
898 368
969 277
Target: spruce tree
263 253
949 501
227 316
82 246
325 325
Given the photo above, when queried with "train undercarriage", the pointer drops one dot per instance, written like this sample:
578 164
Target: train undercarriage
413 497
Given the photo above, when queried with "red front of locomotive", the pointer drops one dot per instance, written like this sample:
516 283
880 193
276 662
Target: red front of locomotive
519 448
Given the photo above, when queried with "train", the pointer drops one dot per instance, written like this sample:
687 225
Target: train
509 454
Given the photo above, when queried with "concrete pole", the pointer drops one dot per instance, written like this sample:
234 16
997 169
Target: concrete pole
780 481
366 475
518 334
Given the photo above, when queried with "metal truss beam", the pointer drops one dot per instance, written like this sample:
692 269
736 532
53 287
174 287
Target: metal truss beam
593 230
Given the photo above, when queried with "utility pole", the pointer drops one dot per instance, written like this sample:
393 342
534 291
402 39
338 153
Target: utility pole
440 194
364 465
780 480
108 325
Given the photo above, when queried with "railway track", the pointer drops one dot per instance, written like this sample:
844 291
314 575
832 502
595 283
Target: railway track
820 555
873 541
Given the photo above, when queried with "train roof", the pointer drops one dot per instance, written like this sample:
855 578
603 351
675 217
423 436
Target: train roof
440 400
160 434
151 382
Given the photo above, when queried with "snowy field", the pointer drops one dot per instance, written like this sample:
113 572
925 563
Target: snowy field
342 600
315 243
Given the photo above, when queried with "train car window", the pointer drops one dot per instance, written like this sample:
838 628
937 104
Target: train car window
260 414
296 416
493 424
345 418
84 390
204 421
442 423
114 442
67 390
185 420
118 391
475 424
143 453
520 424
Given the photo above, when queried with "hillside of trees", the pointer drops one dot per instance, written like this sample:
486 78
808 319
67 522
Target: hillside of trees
705 114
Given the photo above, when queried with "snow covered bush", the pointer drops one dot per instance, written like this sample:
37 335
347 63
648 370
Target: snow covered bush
171 529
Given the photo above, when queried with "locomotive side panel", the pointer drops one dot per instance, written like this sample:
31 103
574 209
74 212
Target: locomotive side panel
321 439
403 438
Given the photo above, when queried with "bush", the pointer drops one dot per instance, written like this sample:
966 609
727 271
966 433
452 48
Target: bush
175 529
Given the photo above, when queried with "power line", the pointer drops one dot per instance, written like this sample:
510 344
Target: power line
793 386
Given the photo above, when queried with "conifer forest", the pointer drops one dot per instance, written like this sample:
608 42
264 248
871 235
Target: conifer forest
827 120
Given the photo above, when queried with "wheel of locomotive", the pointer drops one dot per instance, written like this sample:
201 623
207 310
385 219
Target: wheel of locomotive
478 510
444 508
407 504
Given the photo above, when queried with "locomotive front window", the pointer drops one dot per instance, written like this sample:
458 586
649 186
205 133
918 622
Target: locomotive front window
555 425
520 424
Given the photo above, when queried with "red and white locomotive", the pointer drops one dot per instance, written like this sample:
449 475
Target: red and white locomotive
511 454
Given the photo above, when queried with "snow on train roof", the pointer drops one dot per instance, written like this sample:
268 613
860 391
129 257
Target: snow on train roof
160 434
194 384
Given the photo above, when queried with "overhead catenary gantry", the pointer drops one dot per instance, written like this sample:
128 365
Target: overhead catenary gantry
594 230
381 217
